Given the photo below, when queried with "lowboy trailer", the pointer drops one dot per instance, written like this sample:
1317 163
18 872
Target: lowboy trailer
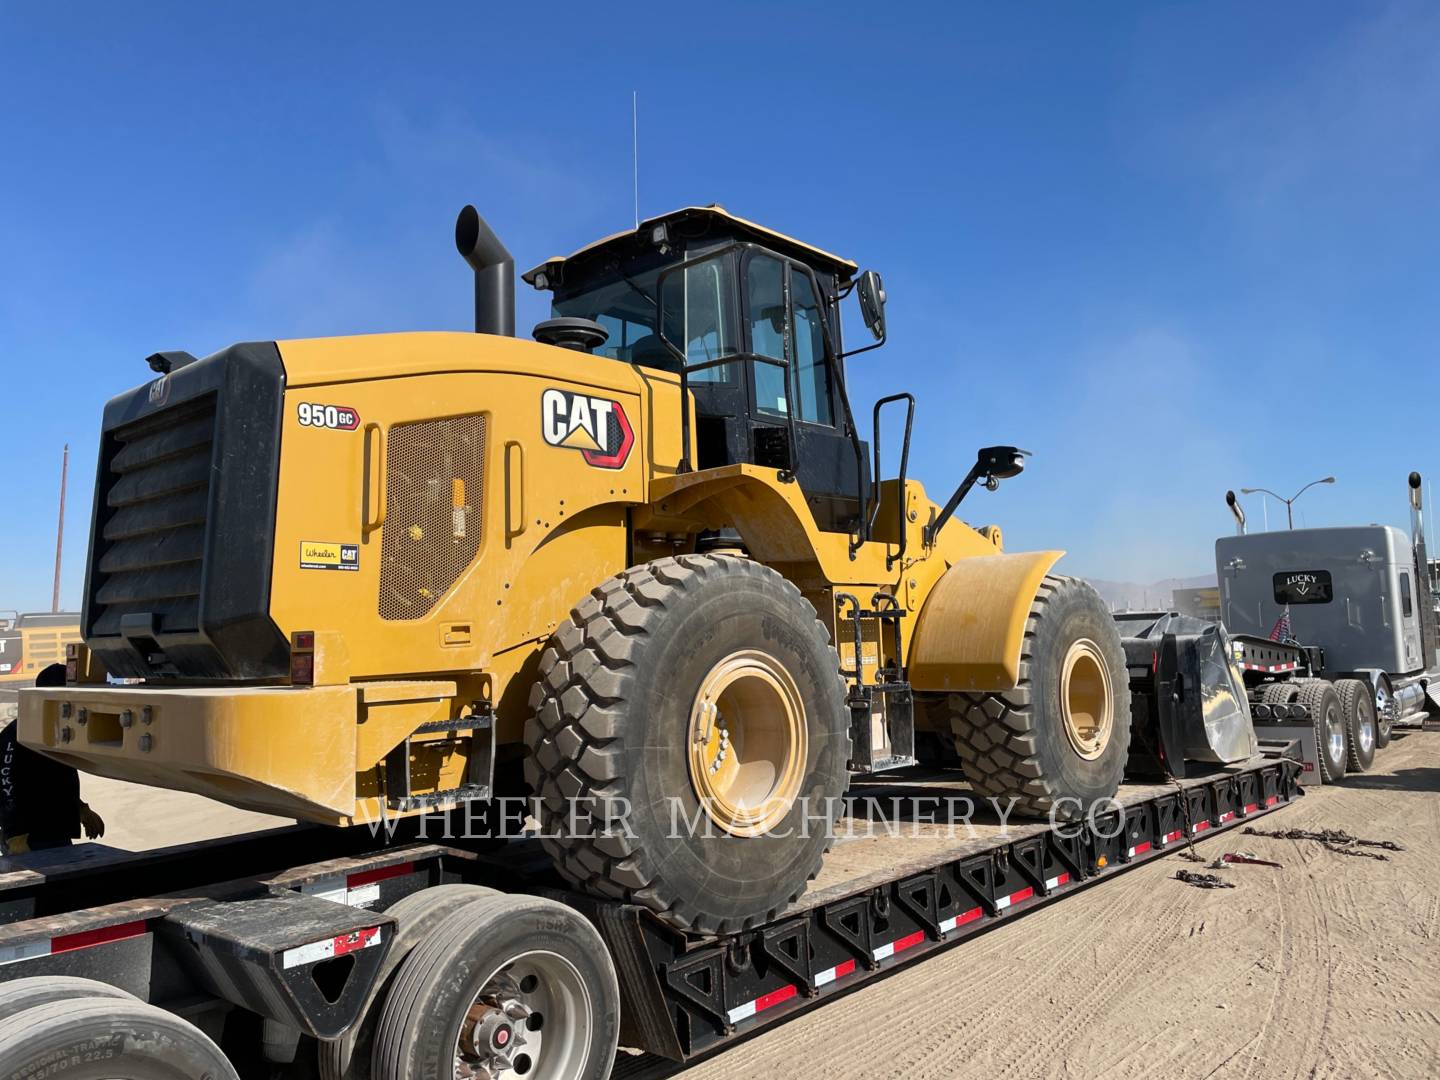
309 951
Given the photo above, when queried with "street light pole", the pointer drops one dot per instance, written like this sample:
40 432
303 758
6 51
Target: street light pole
1289 514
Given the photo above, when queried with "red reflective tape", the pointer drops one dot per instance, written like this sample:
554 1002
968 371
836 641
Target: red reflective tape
1251 807
369 877
1062 879
847 968
1272 800
911 939
86 938
775 997
1140 848
1023 894
360 939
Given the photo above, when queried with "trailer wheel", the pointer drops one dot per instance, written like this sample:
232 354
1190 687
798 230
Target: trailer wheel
99 1039
506 986
1320 698
690 742
1058 742
1384 710
348 1057
1358 705
22 994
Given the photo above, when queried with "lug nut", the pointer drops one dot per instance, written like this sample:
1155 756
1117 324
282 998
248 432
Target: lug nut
66 734
147 714
82 716
146 741
65 710
127 718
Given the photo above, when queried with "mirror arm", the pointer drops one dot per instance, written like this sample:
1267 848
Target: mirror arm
933 529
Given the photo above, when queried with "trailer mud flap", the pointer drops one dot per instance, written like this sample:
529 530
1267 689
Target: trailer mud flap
299 960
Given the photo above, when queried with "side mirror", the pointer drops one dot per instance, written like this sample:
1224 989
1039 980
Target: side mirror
872 303
1001 462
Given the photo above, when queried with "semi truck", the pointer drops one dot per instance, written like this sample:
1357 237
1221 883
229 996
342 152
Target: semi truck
1354 603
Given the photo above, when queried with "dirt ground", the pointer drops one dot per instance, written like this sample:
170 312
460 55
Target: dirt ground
1327 968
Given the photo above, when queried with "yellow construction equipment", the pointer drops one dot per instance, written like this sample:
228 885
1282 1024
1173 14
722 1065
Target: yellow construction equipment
644 561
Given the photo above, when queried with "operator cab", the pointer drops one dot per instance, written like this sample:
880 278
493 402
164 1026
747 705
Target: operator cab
750 320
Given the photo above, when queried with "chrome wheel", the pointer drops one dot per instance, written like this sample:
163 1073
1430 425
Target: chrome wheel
532 1018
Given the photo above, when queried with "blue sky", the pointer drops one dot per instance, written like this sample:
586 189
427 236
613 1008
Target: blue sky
1170 248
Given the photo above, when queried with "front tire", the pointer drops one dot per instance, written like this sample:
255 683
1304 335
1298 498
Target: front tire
690 742
1058 742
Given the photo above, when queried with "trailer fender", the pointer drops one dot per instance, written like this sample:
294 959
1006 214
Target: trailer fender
971 626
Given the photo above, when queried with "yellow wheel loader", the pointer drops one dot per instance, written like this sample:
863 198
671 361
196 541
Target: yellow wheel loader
643 562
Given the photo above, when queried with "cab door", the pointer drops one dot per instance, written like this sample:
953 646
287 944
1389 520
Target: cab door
792 396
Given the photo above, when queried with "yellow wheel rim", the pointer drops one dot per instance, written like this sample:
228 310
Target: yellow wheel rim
747 743
1087 700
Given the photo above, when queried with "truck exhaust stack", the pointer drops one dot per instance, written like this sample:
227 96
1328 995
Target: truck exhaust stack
1235 509
494 273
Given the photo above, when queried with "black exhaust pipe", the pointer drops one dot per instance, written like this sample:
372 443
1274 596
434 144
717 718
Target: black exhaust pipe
494 273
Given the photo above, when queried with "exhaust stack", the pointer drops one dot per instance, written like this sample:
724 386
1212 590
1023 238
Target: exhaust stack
494 273
1417 510
1234 504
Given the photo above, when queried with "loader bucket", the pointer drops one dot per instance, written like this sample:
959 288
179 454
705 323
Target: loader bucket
1210 705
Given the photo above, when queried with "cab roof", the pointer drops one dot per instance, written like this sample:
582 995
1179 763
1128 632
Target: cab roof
696 222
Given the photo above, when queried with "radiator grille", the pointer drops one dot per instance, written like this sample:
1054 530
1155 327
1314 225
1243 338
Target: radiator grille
427 542
153 539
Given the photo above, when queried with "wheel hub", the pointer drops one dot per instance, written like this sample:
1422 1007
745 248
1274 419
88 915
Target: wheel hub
1087 699
530 1020
748 743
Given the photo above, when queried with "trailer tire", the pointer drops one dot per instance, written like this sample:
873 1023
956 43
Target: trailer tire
513 950
1328 716
629 714
99 1038
1357 701
1384 710
1028 744
416 915
1278 693
22 994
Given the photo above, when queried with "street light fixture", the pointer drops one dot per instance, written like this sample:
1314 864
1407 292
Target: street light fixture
1289 516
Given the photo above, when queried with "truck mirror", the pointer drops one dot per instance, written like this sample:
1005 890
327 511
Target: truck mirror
872 303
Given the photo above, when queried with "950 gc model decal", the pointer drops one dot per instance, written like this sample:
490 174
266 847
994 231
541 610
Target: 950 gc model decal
334 417
597 427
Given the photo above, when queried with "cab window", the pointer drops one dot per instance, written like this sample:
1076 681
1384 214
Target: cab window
787 331
1407 605
812 375
765 296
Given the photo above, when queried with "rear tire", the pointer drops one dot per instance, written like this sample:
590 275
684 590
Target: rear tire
101 1038
1384 711
635 691
1058 742
1278 693
348 1057
451 996
1328 716
1357 701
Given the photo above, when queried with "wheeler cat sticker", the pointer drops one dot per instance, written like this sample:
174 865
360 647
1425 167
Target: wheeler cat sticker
597 427
334 417
322 555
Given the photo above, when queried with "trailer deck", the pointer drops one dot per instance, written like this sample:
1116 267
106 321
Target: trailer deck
257 921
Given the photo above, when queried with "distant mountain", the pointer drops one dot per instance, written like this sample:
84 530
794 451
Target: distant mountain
1129 596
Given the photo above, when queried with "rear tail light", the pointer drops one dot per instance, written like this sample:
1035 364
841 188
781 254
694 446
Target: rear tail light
302 658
